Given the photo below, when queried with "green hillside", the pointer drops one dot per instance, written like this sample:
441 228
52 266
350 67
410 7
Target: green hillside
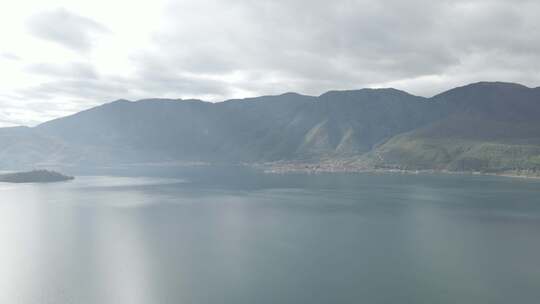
487 127
490 127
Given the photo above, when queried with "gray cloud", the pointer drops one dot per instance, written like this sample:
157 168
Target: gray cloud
76 70
63 27
16 114
313 46
94 91
219 48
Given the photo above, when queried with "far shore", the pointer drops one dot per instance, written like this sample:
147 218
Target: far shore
316 168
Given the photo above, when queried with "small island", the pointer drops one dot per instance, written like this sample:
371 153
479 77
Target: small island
34 176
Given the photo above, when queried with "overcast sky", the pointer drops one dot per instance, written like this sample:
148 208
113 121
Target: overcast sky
61 56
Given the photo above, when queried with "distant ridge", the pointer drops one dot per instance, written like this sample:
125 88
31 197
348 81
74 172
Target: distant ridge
484 126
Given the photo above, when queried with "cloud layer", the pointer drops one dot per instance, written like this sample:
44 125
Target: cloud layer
222 49
65 28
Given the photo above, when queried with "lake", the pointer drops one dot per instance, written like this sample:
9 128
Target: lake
258 238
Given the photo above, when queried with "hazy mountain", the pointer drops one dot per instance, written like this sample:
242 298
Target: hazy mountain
21 147
168 130
488 127
482 126
345 123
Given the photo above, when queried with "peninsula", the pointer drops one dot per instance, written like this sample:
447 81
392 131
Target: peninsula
34 176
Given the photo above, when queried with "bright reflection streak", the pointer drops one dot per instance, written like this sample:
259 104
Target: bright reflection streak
122 261
21 242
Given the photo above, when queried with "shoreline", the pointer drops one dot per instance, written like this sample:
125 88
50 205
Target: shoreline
312 168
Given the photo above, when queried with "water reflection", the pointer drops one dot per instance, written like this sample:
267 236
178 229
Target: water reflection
291 239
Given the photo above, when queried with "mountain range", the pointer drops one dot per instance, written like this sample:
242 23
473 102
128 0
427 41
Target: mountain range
490 127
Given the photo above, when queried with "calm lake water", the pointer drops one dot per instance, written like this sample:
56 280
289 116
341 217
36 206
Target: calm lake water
254 238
